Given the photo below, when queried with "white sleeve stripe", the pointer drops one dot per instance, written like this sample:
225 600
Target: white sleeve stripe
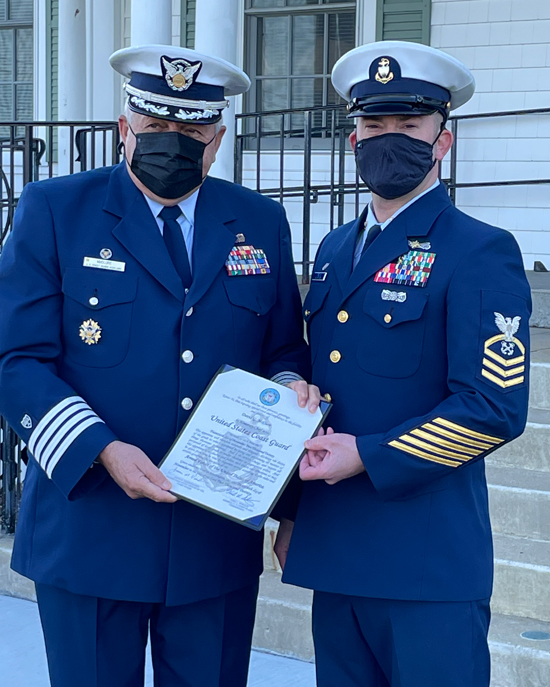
69 439
48 417
46 453
286 377
56 425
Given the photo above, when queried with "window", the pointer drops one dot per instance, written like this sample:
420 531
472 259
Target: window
188 23
16 60
403 20
52 65
292 46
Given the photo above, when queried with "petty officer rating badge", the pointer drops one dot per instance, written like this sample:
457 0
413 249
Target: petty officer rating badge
411 269
506 371
90 332
244 260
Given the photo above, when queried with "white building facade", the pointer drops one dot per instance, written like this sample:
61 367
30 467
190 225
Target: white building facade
288 48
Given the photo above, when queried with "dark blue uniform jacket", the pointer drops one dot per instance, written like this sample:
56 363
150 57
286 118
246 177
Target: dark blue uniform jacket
68 399
430 379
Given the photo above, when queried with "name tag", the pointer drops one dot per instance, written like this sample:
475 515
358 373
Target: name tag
99 264
318 276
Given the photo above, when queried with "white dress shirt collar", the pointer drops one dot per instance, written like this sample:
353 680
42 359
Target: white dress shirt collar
371 221
188 207
371 217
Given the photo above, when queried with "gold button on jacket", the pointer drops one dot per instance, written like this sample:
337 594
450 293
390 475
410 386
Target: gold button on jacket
335 356
343 316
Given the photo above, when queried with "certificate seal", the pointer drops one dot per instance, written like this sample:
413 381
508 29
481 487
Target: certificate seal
270 397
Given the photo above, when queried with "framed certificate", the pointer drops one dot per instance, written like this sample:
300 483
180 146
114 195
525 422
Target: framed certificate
240 446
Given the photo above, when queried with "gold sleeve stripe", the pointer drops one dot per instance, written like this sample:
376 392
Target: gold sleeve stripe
448 444
434 449
466 431
507 363
499 382
421 454
457 437
501 372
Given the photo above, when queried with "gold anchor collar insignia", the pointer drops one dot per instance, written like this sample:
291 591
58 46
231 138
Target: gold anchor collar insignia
90 332
384 75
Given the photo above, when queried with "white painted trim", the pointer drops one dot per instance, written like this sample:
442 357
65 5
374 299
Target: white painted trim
366 21
40 58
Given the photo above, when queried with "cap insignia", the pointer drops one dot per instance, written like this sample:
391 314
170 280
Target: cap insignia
179 73
150 107
202 114
384 75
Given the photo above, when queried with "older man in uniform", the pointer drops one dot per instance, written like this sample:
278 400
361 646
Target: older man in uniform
120 300
418 320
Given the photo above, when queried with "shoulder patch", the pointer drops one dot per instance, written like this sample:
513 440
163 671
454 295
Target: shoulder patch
504 337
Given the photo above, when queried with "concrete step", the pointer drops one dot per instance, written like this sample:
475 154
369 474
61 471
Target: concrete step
522 577
515 660
539 391
540 293
519 502
539 396
283 618
532 449
11 583
283 626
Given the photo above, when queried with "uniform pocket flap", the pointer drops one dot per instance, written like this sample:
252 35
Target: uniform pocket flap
258 295
314 300
390 307
99 289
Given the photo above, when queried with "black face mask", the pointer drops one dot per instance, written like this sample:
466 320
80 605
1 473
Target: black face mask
168 163
393 165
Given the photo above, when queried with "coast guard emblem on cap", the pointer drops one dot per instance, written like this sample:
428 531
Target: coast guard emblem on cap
179 73
26 422
90 332
384 75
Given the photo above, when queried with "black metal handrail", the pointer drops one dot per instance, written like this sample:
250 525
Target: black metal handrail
30 151
33 151
332 133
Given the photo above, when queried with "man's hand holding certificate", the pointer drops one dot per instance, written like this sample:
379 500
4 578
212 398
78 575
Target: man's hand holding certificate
240 446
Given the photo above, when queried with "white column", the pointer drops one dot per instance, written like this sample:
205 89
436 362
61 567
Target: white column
151 22
366 21
72 59
217 34
72 73
104 81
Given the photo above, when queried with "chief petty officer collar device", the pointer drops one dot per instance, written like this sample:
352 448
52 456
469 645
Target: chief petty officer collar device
401 79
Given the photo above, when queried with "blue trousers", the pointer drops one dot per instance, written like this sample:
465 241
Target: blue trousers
365 642
93 642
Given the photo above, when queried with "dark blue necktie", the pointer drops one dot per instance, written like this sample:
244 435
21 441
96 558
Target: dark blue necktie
374 232
175 243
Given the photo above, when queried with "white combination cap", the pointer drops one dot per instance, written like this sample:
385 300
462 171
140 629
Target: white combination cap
178 84
398 77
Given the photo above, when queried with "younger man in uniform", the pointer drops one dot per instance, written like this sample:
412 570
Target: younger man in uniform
418 321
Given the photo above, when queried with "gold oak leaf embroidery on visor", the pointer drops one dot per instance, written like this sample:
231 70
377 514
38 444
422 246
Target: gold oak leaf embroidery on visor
504 355
445 442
